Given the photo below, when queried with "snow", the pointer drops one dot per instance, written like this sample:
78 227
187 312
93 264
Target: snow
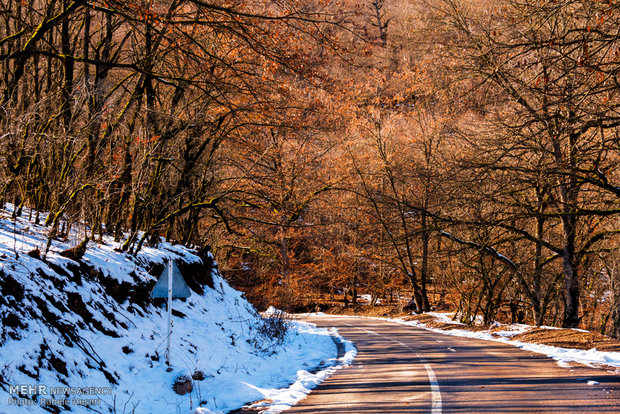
72 332
271 311
367 298
283 399
202 410
444 318
562 355
512 330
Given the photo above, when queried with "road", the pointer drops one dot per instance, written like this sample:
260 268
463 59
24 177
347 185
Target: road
400 369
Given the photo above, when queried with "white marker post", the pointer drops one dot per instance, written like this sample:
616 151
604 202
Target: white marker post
169 309
164 289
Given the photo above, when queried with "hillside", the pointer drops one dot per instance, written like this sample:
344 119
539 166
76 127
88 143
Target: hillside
87 335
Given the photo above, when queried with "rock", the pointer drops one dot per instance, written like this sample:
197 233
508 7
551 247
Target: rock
183 385
76 253
198 375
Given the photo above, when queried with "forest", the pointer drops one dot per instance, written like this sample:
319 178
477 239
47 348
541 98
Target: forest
465 152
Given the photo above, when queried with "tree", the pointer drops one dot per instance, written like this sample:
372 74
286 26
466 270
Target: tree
549 70
133 102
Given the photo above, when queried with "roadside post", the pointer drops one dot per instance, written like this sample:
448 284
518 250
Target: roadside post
171 285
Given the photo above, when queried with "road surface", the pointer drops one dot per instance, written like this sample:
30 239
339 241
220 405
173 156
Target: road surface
400 369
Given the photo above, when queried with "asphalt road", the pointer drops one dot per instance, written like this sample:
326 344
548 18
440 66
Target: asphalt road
400 369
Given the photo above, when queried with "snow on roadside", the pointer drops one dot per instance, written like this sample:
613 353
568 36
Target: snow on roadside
278 400
77 324
562 355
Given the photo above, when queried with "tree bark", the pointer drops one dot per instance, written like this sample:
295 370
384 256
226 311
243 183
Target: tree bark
571 279
424 270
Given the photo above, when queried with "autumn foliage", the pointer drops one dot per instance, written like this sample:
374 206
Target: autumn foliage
461 154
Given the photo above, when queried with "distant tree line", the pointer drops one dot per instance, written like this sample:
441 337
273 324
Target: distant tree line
478 167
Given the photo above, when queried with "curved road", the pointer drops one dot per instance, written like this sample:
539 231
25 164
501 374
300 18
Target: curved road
401 369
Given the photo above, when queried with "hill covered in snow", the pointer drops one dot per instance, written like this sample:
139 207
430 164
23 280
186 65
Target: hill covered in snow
84 336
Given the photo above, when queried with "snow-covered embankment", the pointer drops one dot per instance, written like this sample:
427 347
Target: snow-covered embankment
85 336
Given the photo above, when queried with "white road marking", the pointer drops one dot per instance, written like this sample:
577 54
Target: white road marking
432 379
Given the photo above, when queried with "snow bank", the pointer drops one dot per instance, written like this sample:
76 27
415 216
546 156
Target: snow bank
562 355
84 336
277 400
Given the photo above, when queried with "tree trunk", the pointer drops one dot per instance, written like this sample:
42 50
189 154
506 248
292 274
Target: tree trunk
67 89
285 262
424 270
536 283
614 311
571 279
96 98
417 295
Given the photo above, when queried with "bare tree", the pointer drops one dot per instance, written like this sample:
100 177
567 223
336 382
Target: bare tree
551 76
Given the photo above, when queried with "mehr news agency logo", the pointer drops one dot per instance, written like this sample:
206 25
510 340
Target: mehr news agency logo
39 394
